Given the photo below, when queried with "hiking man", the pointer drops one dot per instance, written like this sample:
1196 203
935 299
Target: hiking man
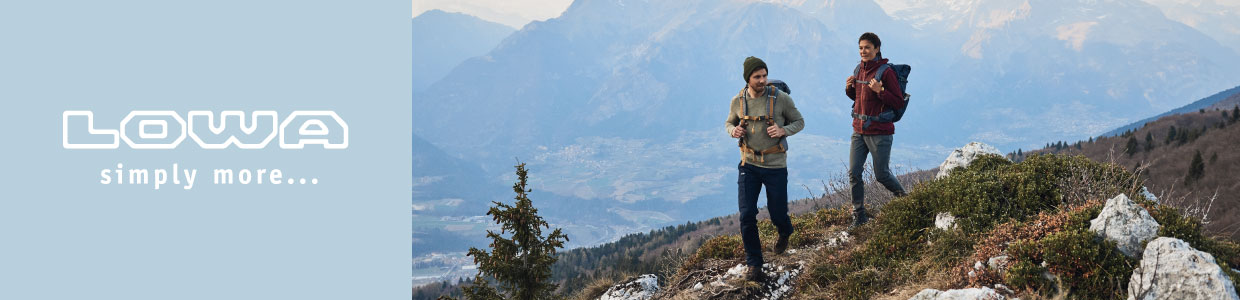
871 97
762 116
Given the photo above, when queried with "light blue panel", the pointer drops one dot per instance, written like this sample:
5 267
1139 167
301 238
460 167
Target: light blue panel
65 235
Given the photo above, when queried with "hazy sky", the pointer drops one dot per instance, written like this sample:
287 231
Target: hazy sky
514 13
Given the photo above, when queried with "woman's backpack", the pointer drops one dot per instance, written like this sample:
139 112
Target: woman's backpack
889 115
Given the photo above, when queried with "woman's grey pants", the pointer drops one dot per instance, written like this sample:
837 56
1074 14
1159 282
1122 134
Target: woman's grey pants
880 147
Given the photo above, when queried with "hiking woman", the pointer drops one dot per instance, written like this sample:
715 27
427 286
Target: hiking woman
870 137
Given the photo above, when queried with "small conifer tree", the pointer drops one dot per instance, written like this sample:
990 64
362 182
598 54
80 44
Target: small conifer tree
1196 169
1149 141
521 262
1170 135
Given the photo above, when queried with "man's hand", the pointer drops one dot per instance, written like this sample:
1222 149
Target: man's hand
876 85
738 131
849 84
775 131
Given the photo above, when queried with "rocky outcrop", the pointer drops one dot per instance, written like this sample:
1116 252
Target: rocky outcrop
964 155
983 293
719 280
639 288
1126 223
1171 269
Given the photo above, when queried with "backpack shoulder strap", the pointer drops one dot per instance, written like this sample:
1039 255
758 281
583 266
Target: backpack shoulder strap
771 93
881 69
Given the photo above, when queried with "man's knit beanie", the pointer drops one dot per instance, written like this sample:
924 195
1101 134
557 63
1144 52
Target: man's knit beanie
753 64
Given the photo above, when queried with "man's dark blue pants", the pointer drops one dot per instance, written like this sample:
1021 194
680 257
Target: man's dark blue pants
750 183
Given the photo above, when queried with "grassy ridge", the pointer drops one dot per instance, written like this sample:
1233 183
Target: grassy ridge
1035 212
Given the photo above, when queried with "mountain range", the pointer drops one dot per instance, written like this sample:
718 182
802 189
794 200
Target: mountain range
443 40
618 106
1216 18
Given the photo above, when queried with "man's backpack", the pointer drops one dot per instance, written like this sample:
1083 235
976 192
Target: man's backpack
769 119
889 115
781 85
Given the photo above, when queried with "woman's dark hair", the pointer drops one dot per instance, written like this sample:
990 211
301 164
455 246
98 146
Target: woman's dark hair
873 38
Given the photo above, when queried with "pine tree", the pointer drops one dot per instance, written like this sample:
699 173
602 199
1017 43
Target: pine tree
1235 113
1196 169
1131 148
521 264
1213 158
1170 135
1149 141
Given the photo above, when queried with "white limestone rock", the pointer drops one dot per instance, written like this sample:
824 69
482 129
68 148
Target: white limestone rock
1005 289
964 156
997 262
640 288
983 293
1126 223
838 239
1148 195
944 221
1171 269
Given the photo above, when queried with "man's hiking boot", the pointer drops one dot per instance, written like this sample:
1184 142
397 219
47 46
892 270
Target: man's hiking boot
755 274
782 244
900 194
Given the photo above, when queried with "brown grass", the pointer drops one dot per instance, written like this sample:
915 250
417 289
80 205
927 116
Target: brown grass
595 289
